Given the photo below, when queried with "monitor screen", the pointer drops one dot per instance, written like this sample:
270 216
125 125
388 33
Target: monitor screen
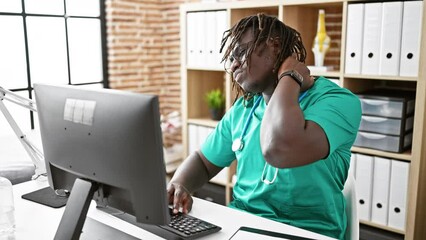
104 145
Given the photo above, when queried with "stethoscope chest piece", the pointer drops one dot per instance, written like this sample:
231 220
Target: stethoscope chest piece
237 145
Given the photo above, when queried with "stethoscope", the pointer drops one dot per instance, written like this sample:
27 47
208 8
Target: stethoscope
238 144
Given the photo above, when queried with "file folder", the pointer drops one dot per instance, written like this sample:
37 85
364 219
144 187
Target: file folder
200 40
192 138
191 39
391 38
202 134
221 177
410 43
209 55
352 166
371 38
221 27
364 180
381 179
354 36
398 194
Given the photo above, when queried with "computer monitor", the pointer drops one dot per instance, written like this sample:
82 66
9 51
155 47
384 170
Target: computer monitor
104 145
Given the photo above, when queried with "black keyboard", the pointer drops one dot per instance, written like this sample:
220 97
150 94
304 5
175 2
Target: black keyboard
189 227
181 227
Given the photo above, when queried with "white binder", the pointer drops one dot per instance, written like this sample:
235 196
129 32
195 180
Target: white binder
371 38
381 179
354 36
209 37
221 26
352 166
364 180
191 39
410 43
221 177
390 47
202 133
200 40
398 194
192 138
209 130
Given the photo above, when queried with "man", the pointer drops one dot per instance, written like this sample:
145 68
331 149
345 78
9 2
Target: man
291 134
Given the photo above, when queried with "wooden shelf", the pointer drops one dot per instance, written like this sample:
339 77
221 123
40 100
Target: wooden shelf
203 122
331 74
218 182
381 77
382 227
406 156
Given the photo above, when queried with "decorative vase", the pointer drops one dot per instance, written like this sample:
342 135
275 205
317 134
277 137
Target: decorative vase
321 41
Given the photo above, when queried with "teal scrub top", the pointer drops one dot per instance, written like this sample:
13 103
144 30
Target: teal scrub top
310 196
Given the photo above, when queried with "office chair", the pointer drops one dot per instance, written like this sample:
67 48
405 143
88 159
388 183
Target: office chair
17 171
349 192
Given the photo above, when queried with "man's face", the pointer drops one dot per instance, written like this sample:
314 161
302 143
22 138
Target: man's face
259 76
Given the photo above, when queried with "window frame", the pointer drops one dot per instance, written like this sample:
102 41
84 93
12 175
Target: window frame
103 37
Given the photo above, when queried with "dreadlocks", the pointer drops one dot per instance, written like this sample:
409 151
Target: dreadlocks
264 28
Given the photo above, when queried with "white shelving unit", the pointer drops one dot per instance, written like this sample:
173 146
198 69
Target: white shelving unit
302 15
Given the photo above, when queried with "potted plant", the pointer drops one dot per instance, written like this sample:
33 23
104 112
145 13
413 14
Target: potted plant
216 103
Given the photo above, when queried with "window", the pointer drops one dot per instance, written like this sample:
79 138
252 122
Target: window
49 41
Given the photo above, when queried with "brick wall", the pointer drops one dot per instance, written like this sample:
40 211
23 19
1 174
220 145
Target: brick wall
144 52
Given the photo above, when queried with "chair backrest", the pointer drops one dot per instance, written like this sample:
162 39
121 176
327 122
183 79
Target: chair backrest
349 191
17 171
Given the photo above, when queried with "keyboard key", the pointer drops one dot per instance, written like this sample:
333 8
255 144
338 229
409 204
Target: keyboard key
189 227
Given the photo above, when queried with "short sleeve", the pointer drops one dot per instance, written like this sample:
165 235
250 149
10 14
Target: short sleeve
217 148
338 112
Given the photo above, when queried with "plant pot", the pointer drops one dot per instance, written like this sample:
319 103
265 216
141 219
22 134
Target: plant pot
216 114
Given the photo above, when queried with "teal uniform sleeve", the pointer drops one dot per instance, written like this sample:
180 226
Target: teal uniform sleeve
338 112
217 148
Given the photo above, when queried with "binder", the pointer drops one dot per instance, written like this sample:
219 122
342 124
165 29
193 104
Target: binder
352 166
221 177
371 38
398 194
209 37
200 40
192 138
381 179
209 130
410 43
191 39
364 180
390 47
354 37
202 133
221 26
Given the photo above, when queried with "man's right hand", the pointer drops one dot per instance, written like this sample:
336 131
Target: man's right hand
179 197
191 175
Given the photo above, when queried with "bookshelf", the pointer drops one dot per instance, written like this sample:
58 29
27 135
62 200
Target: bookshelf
302 15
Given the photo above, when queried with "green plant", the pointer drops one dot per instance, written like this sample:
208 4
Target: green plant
215 99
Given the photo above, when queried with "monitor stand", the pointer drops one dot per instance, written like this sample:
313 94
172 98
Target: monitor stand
47 196
73 219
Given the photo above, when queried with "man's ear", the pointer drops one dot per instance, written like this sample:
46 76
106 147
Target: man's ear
275 43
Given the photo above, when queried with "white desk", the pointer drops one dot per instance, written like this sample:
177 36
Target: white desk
35 221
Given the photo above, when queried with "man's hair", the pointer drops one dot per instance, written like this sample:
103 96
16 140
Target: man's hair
264 28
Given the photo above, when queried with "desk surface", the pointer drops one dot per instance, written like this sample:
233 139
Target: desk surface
35 221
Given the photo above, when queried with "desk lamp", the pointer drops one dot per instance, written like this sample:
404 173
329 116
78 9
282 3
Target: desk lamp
46 196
